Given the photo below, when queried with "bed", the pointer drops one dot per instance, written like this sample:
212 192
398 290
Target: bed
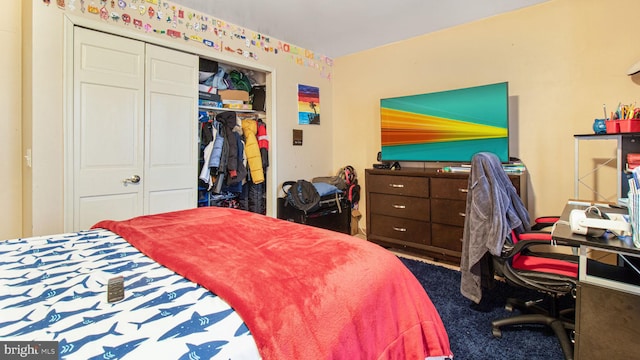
215 283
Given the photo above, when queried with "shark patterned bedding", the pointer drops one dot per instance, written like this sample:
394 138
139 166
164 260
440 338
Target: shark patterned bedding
215 283
53 288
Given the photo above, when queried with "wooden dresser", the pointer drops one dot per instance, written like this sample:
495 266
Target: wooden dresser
420 211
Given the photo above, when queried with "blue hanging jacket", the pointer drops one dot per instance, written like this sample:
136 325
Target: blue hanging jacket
216 153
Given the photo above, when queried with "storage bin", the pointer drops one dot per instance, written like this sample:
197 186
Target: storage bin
331 218
630 125
612 126
623 126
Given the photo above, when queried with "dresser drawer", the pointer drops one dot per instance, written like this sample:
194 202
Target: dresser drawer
447 236
409 207
450 212
421 210
401 229
399 185
443 188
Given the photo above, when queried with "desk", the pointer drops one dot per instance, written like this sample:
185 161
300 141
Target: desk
608 297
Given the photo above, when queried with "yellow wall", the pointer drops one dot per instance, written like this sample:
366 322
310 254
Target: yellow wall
563 60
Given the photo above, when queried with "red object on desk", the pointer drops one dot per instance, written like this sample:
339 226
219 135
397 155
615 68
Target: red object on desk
622 126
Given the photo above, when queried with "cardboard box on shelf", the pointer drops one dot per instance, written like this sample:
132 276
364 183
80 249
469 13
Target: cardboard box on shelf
226 101
237 106
234 95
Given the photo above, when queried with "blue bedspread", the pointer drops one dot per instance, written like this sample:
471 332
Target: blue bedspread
54 289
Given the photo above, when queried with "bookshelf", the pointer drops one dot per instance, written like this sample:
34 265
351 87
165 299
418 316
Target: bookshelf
625 143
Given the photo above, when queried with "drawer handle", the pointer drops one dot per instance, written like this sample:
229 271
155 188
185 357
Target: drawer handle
396 185
462 214
463 190
396 206
399 229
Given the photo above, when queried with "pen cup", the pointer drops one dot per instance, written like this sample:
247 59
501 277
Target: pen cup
623 126
613 126
629 125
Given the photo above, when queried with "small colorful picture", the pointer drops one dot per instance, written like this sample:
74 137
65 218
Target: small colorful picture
308 105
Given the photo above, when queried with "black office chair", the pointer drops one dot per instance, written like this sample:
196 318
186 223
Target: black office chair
553 278
515 254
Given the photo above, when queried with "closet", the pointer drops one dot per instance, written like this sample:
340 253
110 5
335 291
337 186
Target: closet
134 135
233 140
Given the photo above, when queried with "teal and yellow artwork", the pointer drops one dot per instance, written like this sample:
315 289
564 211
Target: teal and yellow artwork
448 125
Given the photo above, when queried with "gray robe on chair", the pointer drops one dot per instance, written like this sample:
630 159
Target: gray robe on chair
493 210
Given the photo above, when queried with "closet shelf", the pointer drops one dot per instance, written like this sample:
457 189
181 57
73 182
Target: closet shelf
203 107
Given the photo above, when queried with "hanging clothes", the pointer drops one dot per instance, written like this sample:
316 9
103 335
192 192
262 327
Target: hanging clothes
216 151
228 121
250 129
263 144
205 173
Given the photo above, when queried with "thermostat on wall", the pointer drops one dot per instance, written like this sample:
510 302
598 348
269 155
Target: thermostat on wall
297 137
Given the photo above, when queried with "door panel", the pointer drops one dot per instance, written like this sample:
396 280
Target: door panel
100 119
169 139
171 160
170 200
108 127
135 115
93 207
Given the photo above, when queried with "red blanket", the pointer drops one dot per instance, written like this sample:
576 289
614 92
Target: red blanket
304 292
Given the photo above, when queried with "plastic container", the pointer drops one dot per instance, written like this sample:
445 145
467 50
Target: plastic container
630 125
612 126
623 126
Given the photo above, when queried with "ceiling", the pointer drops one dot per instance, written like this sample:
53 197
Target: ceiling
340 27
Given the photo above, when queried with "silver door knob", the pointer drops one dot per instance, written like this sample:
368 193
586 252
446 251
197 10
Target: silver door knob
134 179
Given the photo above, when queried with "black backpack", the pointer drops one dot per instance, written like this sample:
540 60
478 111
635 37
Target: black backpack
302 195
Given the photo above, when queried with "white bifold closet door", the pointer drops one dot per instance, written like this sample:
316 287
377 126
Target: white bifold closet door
134 128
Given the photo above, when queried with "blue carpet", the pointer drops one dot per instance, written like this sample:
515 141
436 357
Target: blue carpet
469 326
